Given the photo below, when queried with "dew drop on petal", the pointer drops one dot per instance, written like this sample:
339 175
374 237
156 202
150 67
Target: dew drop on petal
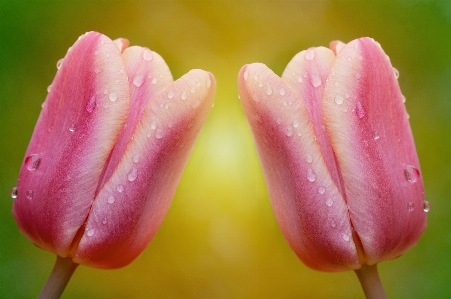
329 202
295 124
49 88
111 199
346 237
90 232
309 54
269 90
410 206
360 110
132 174
403 98
316 81
183 95
411 173
153 125
255 77
309 158
159 134
166 106
113 96
333 224
196 104
170 94
32 161
376 135
396 73
135 158
59 63
321 190
282 91
96 70
147 55
260 84
289 131
105 220
120 188
154 81
29 194
13 192
91 104
72 128
300 79
339 99
138 80
149 134
311 175
426 206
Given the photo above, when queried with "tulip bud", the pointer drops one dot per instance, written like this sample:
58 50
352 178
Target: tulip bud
337 154
108 150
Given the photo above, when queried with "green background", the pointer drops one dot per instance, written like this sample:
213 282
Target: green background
220 238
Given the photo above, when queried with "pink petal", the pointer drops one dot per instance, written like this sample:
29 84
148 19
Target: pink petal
307 203
79 124
133 202
369 129
122 43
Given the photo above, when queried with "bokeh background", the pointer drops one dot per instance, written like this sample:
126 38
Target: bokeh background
220 238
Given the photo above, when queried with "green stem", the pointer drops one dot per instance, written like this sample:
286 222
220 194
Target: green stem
58 279
370 281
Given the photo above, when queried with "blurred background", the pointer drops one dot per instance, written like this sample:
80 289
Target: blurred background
220 238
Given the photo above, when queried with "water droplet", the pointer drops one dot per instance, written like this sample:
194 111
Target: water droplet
260 84
96 70
196 104
295 124
336 83
339 99
411 173
316 81
311 175
153 125
255 77
309 54
105 91
138 80
111 199
59 64
32 161
120 188
170 94
183 95
72 128
269 90
426 206
396 73
289 131
148 134
166 106
193 90
132 174
376 135
347 95
346 237
91 104
410 206
329 202
285 103
49 88
147 55
246 74
360 111
198 84
403 98
333 224
159 134
13 192
282 91
309 158
300 79
30 194
113 96
154 81
90 232
104 221
321 190
135 158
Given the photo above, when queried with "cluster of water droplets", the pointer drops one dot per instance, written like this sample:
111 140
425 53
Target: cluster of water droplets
31 163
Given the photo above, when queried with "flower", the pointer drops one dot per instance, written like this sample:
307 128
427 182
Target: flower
108 150
337 154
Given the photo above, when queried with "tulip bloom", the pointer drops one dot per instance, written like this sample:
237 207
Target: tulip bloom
337 154
108 150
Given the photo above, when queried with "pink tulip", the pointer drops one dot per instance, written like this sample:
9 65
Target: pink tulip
108 150
338 155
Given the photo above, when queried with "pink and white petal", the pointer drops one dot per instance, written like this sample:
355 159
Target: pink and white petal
369 129
306 74
78 125
122 43
308 205
131 206
148 76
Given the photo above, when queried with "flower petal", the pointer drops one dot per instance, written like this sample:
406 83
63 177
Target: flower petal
369 129
79 124
131 206
307 203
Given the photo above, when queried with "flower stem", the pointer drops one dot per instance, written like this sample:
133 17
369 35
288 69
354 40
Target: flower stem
58 279
370 281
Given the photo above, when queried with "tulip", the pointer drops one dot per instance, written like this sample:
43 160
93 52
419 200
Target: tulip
108 151
338 155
